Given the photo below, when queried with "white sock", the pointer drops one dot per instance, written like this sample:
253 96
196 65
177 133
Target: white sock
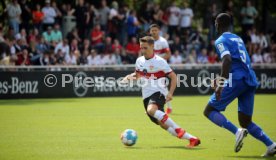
187 136
172 131
169 105
160 116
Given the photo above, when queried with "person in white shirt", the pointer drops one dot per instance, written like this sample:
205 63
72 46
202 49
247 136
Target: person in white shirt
14 11
186 17
71 59
173 21
49 15
152 70
257 57
63 46
176 58
93 59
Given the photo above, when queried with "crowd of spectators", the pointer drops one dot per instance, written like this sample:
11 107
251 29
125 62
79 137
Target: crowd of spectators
33 34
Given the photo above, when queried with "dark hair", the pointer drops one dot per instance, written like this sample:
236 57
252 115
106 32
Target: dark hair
223 20
154 25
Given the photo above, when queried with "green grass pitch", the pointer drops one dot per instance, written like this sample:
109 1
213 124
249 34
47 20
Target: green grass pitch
89 128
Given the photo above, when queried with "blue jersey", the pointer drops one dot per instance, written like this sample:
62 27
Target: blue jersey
233 45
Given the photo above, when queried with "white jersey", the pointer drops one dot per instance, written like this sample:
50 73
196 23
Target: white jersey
153 75
161 46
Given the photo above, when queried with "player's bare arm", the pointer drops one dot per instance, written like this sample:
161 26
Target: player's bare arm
132 76
226 65
173 78
167 55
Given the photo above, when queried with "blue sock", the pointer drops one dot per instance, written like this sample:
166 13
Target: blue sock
220 120
258 133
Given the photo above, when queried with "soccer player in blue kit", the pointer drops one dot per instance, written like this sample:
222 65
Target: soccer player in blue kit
235 60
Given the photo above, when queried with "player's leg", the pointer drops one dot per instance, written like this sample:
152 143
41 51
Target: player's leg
169 107
214 107
246 105
155 110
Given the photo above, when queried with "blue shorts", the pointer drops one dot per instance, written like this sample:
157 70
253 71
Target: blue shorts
240 90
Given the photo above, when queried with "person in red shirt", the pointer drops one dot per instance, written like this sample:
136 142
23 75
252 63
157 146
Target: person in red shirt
132 50
116 45
97 36
38 16
212 57
23 58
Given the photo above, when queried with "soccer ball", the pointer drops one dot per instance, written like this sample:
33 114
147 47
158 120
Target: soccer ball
129 137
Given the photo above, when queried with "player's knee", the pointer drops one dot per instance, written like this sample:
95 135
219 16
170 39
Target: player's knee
207 111
151 110
244 122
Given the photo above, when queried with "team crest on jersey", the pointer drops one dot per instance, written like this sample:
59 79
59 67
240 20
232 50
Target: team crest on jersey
220 47
151 67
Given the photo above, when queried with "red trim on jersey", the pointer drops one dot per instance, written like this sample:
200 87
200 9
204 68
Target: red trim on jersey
157 75
160 51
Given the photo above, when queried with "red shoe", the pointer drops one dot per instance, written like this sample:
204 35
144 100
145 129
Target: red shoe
193 142
168 110
180 132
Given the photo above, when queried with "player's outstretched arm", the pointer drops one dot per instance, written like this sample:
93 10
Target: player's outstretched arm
173 78
226 66
132 76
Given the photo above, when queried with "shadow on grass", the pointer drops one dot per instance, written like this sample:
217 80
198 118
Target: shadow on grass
252 157
133 147
182 114
182 147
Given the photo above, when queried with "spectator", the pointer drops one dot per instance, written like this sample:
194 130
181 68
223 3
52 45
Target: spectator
49 15
82 17
104 12
93 59
23 58
14 12
74 46
196 40
177 45
132 50
113 20
176 58
48 36
83 58
147 15
173 21
26 14
116 45
42 46
38 17
108 46
109 59
212 57
267 58
263 44
257 57
132 23
210 21
158 15
186 18
4 54
192 58
62 47
97 38
33 36
56 34
86 46
71 59
249 14
60 57
118 57
58 18
73 35
2 39
202 57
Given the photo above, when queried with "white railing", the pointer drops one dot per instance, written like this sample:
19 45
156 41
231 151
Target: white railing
119 67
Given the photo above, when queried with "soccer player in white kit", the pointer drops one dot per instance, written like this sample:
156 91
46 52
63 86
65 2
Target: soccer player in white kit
152 71
161 48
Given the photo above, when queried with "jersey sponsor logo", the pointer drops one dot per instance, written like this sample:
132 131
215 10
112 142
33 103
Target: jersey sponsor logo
221 47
